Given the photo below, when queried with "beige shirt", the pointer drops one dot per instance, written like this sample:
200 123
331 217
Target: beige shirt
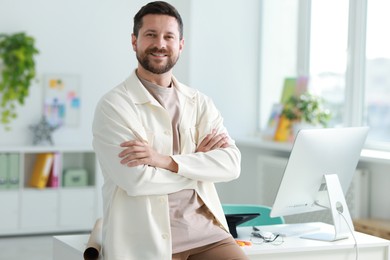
191 223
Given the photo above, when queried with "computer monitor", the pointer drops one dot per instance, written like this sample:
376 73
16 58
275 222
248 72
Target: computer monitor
318 174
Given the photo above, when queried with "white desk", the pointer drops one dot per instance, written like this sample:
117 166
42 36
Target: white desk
296 248
71 247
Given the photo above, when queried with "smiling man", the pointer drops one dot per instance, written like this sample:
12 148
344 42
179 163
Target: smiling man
157 59
161 146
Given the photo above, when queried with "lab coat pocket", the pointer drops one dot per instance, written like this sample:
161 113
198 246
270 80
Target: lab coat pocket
204 129
189 139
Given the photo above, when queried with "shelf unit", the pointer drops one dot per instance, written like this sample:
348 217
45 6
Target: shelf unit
27 210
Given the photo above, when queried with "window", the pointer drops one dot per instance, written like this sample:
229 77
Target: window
377 72
343 46
328 54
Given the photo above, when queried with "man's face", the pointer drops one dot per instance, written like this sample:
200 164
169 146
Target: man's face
158 45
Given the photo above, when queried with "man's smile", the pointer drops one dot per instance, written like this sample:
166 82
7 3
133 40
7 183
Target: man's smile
158 54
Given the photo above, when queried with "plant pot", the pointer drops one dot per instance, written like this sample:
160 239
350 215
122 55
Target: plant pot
283 132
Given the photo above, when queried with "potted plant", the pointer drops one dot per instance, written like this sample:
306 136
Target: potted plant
306 108
17 69
303 111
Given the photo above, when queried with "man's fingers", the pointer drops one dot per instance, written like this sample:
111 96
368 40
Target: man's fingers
213 141
131 143
217 141
208 138
222 143
132 146
132 156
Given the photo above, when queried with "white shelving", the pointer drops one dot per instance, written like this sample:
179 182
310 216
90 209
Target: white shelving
27 210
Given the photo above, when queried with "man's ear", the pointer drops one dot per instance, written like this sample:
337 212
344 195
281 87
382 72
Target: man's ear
181 45
134 41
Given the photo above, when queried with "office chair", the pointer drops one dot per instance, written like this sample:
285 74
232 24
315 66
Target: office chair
263 219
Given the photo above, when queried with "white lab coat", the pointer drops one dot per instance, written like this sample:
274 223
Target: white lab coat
136 222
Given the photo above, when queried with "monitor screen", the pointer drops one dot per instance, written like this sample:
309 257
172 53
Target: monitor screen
315 154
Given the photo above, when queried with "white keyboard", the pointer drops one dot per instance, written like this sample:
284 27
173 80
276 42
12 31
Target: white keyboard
288 230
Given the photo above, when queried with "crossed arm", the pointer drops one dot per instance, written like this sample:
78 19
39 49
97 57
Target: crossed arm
137 153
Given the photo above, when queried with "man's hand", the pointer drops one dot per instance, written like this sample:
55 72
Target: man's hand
213 141
140 153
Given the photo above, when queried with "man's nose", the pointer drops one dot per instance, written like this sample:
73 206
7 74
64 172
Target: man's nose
160 42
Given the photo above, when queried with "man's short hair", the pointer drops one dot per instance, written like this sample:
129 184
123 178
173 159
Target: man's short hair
157 7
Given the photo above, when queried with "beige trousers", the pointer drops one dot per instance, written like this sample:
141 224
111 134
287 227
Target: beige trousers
226 249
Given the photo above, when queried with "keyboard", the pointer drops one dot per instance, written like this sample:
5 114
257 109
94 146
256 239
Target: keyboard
288 230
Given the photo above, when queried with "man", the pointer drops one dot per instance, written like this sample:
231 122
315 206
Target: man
161 146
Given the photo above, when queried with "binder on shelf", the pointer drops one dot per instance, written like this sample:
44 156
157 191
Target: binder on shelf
3 171
53 181
42 168
13 171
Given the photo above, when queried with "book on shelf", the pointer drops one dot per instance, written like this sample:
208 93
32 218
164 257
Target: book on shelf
3 171
41 171
13 171
53 181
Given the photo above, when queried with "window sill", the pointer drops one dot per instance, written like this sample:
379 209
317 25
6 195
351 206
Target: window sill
367 155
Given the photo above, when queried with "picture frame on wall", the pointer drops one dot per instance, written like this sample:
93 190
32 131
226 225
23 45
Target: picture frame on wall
62 99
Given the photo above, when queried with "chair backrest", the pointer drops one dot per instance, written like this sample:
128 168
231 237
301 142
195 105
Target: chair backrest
263 219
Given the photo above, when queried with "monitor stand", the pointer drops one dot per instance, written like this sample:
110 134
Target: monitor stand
342 221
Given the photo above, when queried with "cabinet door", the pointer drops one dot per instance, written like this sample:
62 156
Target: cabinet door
39 209
78 208
269 174
9 201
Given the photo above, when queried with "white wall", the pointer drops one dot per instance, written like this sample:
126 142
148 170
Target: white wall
224 58
88 38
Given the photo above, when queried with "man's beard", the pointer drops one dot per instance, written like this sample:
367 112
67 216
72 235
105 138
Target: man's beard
159 69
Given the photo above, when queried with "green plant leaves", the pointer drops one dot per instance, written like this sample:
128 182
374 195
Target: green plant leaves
17 66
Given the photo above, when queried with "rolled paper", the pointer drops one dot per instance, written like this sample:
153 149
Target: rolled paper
94 244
